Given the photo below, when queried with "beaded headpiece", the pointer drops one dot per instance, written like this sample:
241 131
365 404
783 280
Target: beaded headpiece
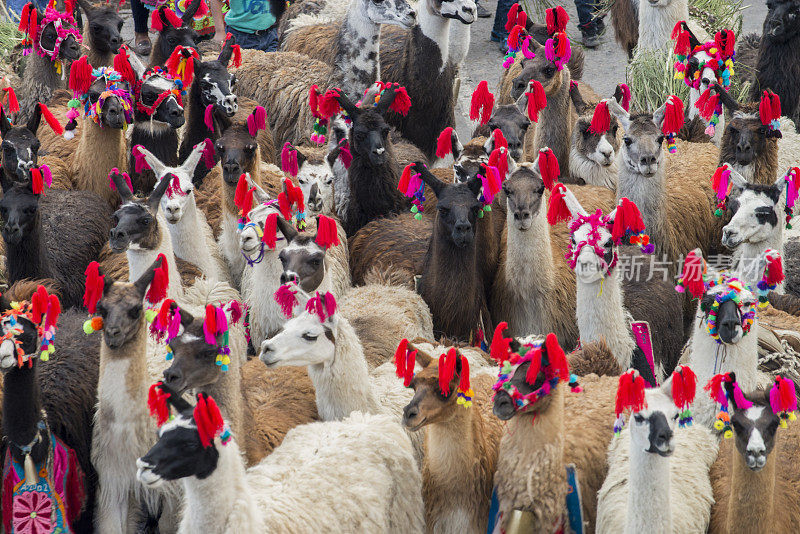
43 311
62 21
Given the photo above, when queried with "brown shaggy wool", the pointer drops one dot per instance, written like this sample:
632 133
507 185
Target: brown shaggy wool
594 358
626 24
317 41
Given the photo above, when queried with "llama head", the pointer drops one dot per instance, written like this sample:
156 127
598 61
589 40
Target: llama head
20 146
179 195
57 36
181 449
19 209
462 10
513 123
169 110
251 236
641 151
238 151
431 405
22 342
538 69
369 134
652 427
395 12
524 190
746 138
105 25
303 259
783 21
315 177
174 31
135 222
457 207
757 212
598 147
214 83
115 108
306 340
468 159
660 4
121 307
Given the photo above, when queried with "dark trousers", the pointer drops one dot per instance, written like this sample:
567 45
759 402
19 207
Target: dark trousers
586 10
499 32
141 16
266 40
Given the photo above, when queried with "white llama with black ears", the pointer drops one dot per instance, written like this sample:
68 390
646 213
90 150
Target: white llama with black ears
191 235
658 478
311 482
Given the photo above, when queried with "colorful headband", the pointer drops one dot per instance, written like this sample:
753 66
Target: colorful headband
43 311
63 22
596 221
673 121
537 100
481 103
404 361
732 290
81 77
177 91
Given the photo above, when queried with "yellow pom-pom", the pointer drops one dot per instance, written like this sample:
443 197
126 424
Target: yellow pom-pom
792 416
718 425
150 315
468 404
87 327
763 305
783 423
728 434
226 360
712 51
679 75
460 400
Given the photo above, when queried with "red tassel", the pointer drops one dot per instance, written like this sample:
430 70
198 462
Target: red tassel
270 231
627 219
500 349
247 203
463 383
95 284
25 16
122 64
444 145
404 361
51 120
773 273
725 41
601 119
80 76
626 96
481 104
160 283
684 384
405 178
716 390
556 19
447 367
630 393
694 267
53 311
173 19
499 159
673 116
157 403
557 210
313 100
534 367
537 100
327 236
775 100
39 304
208 419
513 39
682 40
511 18
284 206
13 103
328 104
548 168
402 102
556 357
241 191
499 139
37 184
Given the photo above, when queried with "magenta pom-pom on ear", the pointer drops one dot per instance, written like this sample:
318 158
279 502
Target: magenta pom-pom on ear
286 299
47 175
139 163
124 175
490 179
626 96
345 156
208 153
289 163
208 117
256 121
174 325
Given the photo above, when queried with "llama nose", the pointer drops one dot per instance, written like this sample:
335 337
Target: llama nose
115 41
606 154
117 233
231 167
172 210
112 331
410 412
522 215
468 10
231 104
175 112
288 277
172 376
662 437
648 160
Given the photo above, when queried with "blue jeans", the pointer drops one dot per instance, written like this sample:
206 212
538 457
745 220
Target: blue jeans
499 32
15 6
267 40
586 10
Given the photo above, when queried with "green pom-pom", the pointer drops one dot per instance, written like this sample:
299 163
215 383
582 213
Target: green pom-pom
87 327
150 315
788 226
718 213
74 103
480 214
418 216
414 209
487 207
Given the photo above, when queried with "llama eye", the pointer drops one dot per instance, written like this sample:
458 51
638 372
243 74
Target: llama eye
638 418
627 141
135 312
310 337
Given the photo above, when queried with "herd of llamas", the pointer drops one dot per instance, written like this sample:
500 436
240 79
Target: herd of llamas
277 292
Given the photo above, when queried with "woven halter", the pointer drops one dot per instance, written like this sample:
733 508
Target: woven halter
733 289
176 91
597 221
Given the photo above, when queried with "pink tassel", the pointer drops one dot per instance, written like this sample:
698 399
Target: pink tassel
236 311
174 325
526 50
208 153
286 299
47 175
330 304
738 397
289 159
491 183
507 62
140 164
208 117
792 185
222 321
345 156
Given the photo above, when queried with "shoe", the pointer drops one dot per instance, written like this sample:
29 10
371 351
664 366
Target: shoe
503 47
592 36
483 13
143 47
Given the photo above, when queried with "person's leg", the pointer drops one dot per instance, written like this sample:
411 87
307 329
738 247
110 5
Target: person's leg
270 39
591 26
244 39
499 33
141 15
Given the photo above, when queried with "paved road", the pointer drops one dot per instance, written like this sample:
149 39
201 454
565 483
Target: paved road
604 69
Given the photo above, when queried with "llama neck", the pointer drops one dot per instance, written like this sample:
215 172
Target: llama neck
28 258
539 444
99 150
38 84
752 495
229 233
529 275
123 382
437 29
259 284
555 122
708 358
459 43
343 385
22 405
195 130
140 259
593 174
649 508
98 59
746 262
357 60
602 316
221 499
656 23
649 194
188 237
157 137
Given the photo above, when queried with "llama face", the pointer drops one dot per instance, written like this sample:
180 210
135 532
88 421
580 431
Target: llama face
250 237
105 26
652 428
457 211
524 190
171 38
462 10
756 214
429 405
504 407
112 112
729 315
369 137
783 20
539 69
397 12
19 209
744 141
179 195
70 49
303 341
600 149
315 178
755 429
593 249
510 120
169 111
642 145
707 76
29 339
20 150
236 149
215 85
303 263
177 454
194 361
661 4
468 162
135 223
121 310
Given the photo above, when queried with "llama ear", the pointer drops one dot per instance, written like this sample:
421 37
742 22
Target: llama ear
619 112
488 146
186 318
301 158
474 184
146 278
155 197
573 205
659 115
227 50
739 181
188 15
577 99
423 358
430 180
5 123
221 121
36 118
192 159
121 185
287 229
348 106
457 147
5 183
158 168
726 98
387 98
174 399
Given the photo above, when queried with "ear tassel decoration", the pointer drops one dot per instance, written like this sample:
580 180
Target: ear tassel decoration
630 396
122 64
172 19
556 19
628 224
286 297
95 282
557 210
160 283
208 153
404 361
125 176
13 103
139 161
491 184
208 117
537 100
548 168
323 305
157 403
792 180
345 156
769 110
80 76
680 35
684 384
256 121
717 391
693 277
626 96
236 52
535 365
721 184
444 144
412 186
601 119
327 235
499 160
501 346
773 275
447 368
180 64
464 394
481 104
209 421
51 120
270 237
673 121
783 400
289 160
557 50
